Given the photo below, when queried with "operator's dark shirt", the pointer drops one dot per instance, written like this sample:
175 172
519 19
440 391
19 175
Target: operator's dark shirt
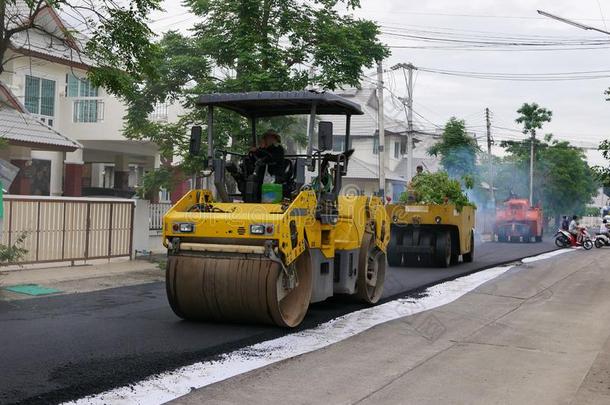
272 156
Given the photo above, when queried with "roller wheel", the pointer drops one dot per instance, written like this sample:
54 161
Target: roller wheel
411 260
238 289
371 271
455 259
394 256
469 257
442 254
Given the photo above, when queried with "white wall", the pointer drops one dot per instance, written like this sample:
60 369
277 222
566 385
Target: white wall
363 147
105 135
108 129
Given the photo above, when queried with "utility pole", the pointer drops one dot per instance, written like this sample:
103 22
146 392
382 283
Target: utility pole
489 158
533 140
381 130
408 69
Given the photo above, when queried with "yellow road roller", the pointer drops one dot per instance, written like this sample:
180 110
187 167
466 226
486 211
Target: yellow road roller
234 258
430 234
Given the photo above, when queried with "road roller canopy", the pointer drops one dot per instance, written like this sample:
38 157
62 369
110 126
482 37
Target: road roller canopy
276 103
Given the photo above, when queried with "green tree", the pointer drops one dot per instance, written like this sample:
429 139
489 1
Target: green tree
457 150
602 173
250 45
564 182
117 37
532 116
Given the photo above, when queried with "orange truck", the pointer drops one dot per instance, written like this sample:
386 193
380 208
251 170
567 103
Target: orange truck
517 221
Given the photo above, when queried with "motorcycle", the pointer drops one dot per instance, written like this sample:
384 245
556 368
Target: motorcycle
601 240
564 239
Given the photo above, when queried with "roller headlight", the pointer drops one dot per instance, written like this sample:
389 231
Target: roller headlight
187 227
183 227
257 229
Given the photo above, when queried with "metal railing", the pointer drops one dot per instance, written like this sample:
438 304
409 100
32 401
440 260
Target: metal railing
156 212
69 229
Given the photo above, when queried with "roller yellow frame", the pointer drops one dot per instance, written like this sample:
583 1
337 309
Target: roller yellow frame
252 262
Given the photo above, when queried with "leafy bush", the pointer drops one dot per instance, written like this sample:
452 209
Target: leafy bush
159 178
436 188
14 253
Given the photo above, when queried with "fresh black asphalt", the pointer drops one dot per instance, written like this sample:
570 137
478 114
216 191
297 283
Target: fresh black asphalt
58 348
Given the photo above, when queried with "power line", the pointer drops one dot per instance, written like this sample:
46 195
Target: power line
527 77
601 12
497 49
462 31
443 34
486 16
494 41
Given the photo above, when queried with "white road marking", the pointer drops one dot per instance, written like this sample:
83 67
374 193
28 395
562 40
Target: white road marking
167 386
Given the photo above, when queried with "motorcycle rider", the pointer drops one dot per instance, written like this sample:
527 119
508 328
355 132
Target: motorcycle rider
604 228
575 229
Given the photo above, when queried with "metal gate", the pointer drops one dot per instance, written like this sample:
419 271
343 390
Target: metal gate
69 229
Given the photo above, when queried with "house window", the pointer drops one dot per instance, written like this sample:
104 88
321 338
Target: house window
159 113
40 96
78 87
339 143
88 111
396 150
375 145
87 106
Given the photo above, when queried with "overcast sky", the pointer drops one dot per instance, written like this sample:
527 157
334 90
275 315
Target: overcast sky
580 111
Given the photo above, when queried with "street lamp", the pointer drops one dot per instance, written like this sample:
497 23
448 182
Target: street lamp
573 23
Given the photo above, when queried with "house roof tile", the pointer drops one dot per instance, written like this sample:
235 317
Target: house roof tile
21 127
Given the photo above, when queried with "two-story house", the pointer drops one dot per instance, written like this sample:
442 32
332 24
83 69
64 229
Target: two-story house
48 75
363 173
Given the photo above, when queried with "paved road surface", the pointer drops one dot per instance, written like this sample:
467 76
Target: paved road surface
65 347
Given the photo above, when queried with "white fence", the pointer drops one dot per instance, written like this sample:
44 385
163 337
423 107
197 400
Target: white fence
591 222
69 229
155 213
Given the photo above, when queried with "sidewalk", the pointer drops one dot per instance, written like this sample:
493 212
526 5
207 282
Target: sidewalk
539 334
81 278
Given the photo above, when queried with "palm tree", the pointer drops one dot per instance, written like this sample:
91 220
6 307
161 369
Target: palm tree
532 117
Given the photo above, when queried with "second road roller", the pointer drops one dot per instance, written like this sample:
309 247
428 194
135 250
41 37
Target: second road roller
264 254
434 226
